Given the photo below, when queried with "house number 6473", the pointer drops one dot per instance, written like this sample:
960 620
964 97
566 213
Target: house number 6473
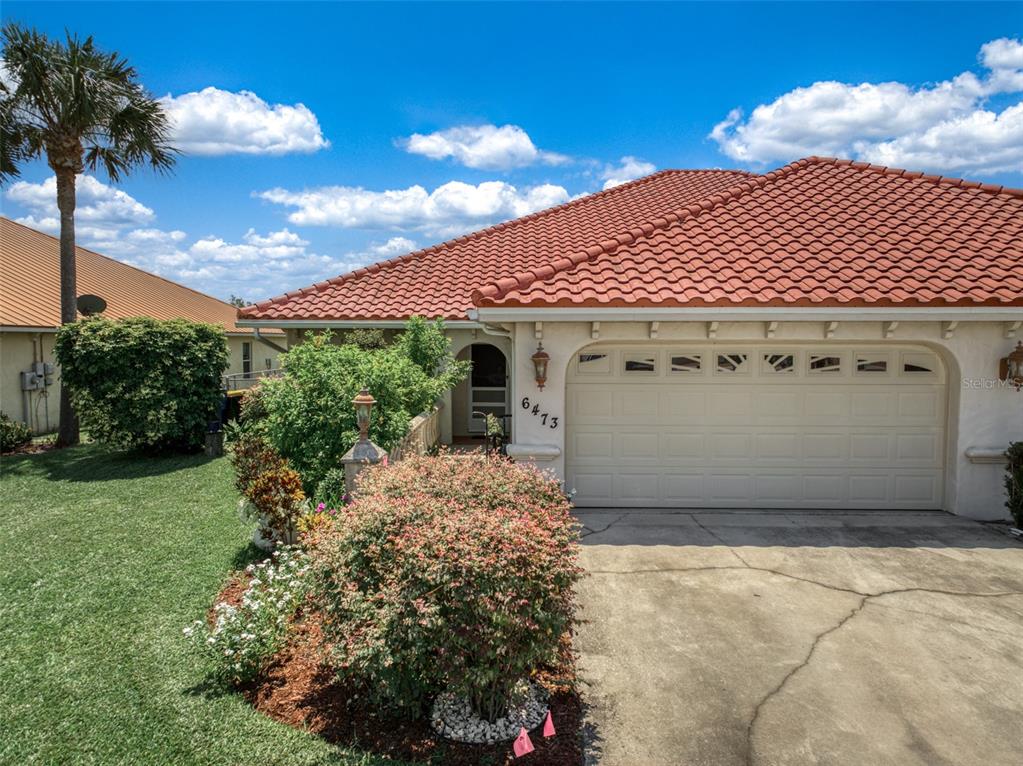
534 410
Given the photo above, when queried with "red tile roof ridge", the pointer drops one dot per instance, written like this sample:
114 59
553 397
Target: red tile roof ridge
495 290
416 254
919 175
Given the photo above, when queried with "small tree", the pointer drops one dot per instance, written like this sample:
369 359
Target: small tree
82 108
144 382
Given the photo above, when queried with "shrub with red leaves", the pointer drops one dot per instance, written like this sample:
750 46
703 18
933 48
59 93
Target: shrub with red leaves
448 573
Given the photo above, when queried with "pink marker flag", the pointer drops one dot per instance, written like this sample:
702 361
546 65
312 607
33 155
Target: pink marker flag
548 726
522 744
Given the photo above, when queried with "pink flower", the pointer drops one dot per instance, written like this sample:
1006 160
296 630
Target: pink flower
320 507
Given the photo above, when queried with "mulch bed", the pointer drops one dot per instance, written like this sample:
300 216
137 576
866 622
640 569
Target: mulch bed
301 691
32 448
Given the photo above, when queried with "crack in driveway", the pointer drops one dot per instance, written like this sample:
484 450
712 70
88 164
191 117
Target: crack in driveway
865 598
602 529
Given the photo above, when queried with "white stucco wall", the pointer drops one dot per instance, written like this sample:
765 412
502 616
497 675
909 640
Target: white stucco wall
981 412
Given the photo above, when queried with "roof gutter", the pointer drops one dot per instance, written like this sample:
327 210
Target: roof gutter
500 314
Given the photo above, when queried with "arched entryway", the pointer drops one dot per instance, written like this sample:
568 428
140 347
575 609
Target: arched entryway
485 390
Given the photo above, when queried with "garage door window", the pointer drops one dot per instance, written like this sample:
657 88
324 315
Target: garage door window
918 364
824 364
640 363
732 364
779 363
687 363
867 363
590 364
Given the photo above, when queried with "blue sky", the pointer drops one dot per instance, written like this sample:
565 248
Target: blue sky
320 137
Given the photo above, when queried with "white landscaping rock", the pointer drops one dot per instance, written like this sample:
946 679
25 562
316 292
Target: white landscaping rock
452 717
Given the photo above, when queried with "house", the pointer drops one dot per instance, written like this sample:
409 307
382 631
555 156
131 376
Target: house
828 335
30 316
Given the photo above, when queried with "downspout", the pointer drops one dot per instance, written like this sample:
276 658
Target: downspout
268 342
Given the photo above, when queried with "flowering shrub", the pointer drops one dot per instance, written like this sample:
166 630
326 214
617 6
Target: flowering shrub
271 489
331 490
448 573
244 638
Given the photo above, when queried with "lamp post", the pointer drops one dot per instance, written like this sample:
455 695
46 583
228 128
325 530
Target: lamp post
363 411
363 452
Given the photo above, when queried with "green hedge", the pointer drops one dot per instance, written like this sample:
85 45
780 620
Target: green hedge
309 415
141 382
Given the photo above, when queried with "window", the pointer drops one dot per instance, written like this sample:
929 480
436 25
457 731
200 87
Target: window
919 364
640 363
872 363
825 364
732 363
687 363
779 363
594 363
246 357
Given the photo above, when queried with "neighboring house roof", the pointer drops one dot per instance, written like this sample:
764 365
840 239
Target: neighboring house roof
818 232
438 281
30 285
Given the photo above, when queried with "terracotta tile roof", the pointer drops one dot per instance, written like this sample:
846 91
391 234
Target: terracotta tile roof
818 232
438 281
30 285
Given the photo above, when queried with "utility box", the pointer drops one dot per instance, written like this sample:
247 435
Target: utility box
31 381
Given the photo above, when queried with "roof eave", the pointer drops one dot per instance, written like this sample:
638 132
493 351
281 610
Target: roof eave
492 314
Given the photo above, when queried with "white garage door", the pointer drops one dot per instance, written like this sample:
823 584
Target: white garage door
742 426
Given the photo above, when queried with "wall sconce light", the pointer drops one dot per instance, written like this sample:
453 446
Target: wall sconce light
363 409
1011 367
540 360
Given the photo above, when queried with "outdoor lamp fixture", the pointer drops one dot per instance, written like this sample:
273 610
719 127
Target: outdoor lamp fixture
1011 367
540 360
363 407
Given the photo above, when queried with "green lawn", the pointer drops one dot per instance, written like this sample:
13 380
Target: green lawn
104 558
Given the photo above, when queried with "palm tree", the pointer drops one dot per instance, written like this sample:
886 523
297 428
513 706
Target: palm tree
83 108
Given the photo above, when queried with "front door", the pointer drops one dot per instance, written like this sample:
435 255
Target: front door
488 385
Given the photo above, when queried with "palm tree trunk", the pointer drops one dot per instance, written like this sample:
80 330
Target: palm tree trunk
67 436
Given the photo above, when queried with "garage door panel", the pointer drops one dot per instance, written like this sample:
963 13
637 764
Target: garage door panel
683 488
591 402
637 404
593 444
730 406
730 447
638 446
919 405
872 404
718 438
639 486
778 447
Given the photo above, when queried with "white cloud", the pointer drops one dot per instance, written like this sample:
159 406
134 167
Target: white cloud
628 169
113 223
97 203
214 121
454 207
940 127
486 147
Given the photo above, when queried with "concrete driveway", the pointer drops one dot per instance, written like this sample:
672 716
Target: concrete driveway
800 638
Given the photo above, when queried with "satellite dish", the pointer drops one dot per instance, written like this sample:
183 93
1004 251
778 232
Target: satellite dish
91 304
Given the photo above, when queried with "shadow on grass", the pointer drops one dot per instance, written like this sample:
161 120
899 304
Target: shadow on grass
250 554
88 463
